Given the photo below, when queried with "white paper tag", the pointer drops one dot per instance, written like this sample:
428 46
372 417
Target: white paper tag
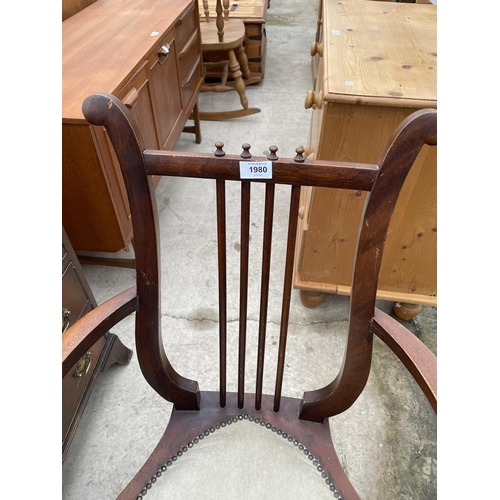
256 170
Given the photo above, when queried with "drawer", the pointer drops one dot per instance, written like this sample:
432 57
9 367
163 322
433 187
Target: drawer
185 27
136 95
188 56
74 387
165 87
191 83
74 297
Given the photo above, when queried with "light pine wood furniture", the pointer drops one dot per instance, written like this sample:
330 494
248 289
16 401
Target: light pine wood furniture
224 36
147 53
317 44
303 422
77 301
377 63
253 13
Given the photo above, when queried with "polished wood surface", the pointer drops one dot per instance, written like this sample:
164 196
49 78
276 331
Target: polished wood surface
306 419
377 66
234 33
71 7
149 55
120 32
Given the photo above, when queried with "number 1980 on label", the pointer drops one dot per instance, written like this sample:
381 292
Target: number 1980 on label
256 170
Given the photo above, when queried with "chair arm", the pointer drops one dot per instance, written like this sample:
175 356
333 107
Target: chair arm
81 336
419 360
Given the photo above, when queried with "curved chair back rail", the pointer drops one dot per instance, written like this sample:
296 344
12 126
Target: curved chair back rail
383 183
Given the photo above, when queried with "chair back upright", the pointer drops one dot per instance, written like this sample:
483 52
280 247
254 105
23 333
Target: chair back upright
222 14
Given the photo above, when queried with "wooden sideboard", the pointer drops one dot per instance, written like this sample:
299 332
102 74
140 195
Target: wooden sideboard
78 300
376 63
253 13
147 53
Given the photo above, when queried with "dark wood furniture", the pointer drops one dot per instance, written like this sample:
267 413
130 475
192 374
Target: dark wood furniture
375 63
224 37
196 413
77 301
147 53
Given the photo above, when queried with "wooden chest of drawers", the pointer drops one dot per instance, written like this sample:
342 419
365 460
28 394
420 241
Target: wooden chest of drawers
78 300
253 13
147 53
377 63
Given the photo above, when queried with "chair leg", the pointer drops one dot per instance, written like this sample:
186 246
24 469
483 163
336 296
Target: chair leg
197 125
196 128
243 60
234 69
237 84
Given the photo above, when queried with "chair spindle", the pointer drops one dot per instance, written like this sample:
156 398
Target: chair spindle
226 9
206 11
264 289
287 292
244 242
219 21
221 240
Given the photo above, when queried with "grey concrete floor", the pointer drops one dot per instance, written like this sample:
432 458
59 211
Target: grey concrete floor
386 441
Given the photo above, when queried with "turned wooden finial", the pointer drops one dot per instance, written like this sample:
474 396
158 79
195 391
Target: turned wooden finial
219 152
206 11
272 153
226 9
219 21
299 158
246 151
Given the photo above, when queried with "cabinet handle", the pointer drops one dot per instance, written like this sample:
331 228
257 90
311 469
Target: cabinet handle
317 48
131 98
65 319
163 53
314 100
83 366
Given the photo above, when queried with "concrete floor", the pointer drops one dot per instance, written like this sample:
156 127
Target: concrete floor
386 440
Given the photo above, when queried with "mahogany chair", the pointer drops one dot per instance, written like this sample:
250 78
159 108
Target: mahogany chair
224 37
196 414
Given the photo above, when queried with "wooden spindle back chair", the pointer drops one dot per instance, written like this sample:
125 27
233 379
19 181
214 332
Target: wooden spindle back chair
304 421
224 38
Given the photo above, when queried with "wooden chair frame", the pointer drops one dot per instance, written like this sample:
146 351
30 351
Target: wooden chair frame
196 412
225 35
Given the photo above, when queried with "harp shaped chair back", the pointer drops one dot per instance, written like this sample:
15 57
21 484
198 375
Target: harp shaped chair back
304 421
